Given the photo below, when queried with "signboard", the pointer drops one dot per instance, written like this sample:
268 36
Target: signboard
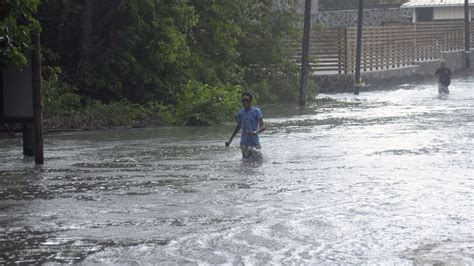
20 100
16 93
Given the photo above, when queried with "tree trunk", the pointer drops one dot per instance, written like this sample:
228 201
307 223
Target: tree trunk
86 23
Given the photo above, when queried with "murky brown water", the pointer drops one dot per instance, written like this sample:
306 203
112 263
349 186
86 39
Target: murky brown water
385 177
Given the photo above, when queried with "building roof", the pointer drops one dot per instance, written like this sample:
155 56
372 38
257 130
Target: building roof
435 3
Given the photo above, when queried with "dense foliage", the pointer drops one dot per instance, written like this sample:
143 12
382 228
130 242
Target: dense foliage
187 58
202 104
17 22
67 110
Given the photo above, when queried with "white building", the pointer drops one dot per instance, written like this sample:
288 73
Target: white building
436 10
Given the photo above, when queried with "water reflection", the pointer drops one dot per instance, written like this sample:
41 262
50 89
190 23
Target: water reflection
382 177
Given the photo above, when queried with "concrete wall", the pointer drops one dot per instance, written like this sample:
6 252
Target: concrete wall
421 70
372 17
334 83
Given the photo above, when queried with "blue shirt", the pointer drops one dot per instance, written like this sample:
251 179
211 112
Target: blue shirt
248 120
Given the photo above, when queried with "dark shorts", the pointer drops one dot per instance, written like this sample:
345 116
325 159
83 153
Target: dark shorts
442 88
251 152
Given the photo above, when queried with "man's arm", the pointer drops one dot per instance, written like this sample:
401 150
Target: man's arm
236 130
260 128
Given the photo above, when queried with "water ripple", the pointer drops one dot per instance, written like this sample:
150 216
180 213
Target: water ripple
380 178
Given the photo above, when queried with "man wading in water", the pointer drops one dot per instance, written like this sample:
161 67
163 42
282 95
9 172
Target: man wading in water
444 78
250 120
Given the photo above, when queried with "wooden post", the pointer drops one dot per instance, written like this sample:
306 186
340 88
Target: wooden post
37 101
467 36
357 79
305 51
346 54
28 136
339 51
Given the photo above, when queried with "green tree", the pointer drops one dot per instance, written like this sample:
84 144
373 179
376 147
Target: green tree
17 22
268 72
137 49
144 51
213 42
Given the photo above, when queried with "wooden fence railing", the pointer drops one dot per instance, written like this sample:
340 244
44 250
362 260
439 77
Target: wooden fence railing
328 50
383 47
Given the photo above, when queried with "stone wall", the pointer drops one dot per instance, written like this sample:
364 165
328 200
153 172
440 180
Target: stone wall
426 69
314 7
372 17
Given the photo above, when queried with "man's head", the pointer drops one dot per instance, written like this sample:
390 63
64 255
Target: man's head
442 63
247 99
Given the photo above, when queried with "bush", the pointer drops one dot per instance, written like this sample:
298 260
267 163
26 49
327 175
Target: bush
200 105
155 113
67 110
282 86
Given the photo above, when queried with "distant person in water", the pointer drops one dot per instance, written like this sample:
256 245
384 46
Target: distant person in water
443 73
250 120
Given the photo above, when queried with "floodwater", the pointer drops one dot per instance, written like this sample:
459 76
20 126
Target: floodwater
385 177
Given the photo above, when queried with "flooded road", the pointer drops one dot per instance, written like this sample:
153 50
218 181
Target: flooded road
384 177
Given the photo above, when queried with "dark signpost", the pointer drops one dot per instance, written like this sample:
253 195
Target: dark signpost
467 35
305 51
20 101
357 80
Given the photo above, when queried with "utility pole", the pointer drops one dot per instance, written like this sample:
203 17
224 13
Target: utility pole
467 35
305 51
37 101
357 80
